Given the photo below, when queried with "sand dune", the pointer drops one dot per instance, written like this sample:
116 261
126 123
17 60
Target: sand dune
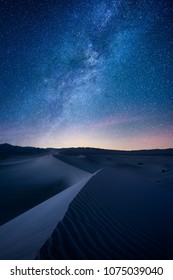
22 237
121 213
27 181
124 211
47 169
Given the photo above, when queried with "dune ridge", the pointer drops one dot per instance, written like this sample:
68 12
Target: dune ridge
22 237
124 211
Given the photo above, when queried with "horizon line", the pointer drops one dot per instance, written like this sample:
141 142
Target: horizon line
79 147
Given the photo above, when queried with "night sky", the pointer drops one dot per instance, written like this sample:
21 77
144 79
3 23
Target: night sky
92 73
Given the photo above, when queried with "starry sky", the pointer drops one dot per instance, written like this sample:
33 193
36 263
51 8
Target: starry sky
86 73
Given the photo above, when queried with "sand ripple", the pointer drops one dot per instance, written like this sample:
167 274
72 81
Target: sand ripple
115 216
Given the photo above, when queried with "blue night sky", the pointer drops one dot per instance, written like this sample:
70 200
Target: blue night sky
86 73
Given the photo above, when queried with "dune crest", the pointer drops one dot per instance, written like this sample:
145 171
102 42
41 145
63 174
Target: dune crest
22 237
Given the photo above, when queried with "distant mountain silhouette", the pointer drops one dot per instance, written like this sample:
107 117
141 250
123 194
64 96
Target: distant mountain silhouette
97 151
10 150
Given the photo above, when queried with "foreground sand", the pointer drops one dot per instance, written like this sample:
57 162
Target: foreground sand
22 237
123 210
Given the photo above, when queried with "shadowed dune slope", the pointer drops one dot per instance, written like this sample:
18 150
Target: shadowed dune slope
121 213
93 162
28 181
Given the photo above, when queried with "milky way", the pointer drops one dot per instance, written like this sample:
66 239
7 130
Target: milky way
86 73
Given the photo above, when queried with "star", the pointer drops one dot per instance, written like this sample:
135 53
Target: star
86 72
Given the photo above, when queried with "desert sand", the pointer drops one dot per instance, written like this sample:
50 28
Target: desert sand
111 206
27 181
